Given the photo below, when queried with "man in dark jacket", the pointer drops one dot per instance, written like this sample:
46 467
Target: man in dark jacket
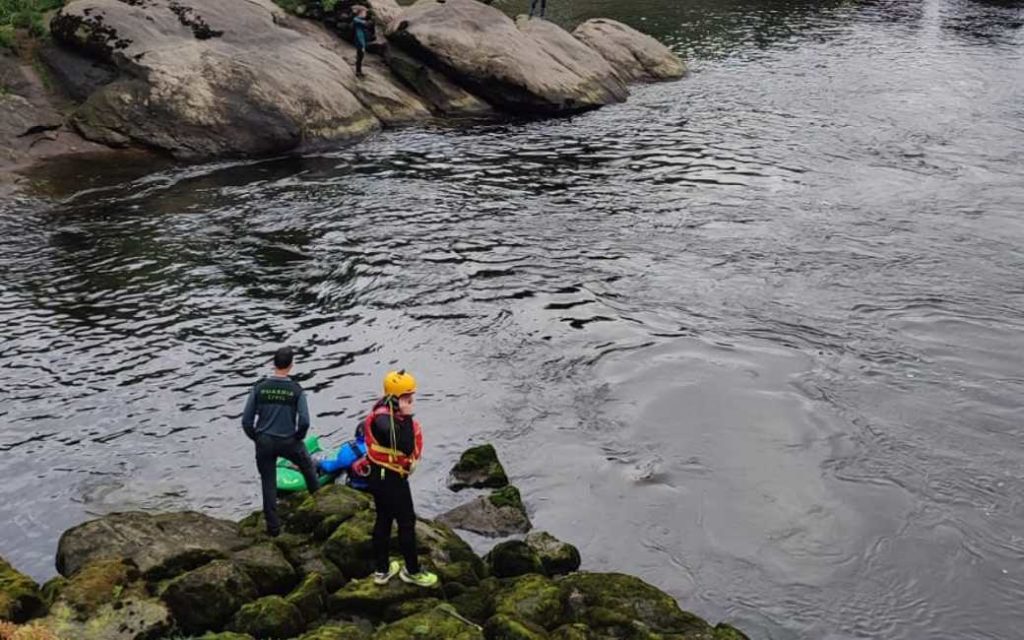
276 418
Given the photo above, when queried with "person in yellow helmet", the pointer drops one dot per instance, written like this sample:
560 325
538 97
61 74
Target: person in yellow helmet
394 443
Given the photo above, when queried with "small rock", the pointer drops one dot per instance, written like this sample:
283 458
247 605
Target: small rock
500 514
269 617
558 557
20 598
479 468
513 558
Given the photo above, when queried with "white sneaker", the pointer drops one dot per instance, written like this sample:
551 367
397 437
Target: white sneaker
382 578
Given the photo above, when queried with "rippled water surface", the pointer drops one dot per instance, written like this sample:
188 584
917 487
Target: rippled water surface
755 335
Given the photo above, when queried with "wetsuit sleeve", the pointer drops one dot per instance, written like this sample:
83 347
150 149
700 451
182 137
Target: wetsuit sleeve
249 415
303 409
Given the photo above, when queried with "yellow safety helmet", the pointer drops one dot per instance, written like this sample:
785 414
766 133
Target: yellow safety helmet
399 383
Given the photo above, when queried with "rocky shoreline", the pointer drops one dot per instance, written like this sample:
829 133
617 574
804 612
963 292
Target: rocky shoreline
144 576
230 78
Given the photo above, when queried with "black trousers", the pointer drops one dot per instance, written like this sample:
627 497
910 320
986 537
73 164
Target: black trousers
543 7
360 54
392 498
268 450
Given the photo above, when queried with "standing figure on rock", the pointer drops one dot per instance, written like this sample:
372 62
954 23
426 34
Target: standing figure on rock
276 418
362 28
394 443
543 6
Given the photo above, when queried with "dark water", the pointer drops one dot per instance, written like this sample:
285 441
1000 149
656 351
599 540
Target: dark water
755 336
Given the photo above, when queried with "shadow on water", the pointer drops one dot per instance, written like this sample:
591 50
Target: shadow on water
753 335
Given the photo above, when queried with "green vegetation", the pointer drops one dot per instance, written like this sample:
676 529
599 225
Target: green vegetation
24 15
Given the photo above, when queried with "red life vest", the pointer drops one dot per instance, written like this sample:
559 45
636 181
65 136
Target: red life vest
389 458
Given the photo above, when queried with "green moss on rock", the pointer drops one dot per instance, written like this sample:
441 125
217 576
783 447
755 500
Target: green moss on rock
534 599
507 497
204 599
322 512
226 635
20 598
350 547
52 589
575 631
430 625
310 597
408 608
477 604
337 631
503 627
96 584
477 467
267 566
557 557
513 558
725 631
365 598
269 617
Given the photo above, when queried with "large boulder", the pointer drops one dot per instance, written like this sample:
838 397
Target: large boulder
533 599
443 95
268 568
159 545
20 598
205 599
513 558
478 467
440 622
557 557
131 617
350 547
210 78
481 48
322 512
500 514
269 617
614 604
633 55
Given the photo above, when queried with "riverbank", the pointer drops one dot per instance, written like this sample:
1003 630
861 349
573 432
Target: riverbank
140 576
224 79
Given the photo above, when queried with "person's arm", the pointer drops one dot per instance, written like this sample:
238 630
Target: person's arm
249 415
303 407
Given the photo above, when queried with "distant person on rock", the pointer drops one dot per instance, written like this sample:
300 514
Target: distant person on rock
363 28
543 7
394 443
276 418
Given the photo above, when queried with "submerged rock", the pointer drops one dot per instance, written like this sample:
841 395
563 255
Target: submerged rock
160 545
500 514
480 48
633 55
557 557
478 467
20 598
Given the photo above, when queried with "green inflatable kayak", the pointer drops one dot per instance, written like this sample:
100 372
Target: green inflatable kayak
289 478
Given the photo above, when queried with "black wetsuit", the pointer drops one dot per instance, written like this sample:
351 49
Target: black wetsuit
392 496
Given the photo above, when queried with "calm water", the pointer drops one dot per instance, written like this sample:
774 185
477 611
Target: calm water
755 336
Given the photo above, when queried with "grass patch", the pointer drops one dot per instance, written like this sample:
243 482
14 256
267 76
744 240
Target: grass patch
29 16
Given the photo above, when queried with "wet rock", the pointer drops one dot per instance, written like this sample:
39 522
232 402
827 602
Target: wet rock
205 599
226 635
216 78
310 597
20 598
96 584
575 631
309 559
503 627
480 48
268 568
477 604
534 599
500 514
269 617
513 558
365 598
724 631
441 550
635 56
322 512
159 545
478 467
337 631
126 618
557 557
613 603
443 95
350 547
437 623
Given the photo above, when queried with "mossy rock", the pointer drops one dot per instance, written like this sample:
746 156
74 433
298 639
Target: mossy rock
337 631
613 604
448 555
365 598
408 608
500 514
310 597
52 589
20 598
321 513
204 599
350 547
557 557
430 625
226 635
269 617
513 558
507 497
309 558
477 604
503 627
98 583
575 631
267 566
725 631
128 618
534 599
478 467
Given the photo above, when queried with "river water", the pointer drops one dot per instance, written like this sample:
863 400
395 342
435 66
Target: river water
755 336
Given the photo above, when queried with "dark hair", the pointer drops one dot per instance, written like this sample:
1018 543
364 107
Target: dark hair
283 357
